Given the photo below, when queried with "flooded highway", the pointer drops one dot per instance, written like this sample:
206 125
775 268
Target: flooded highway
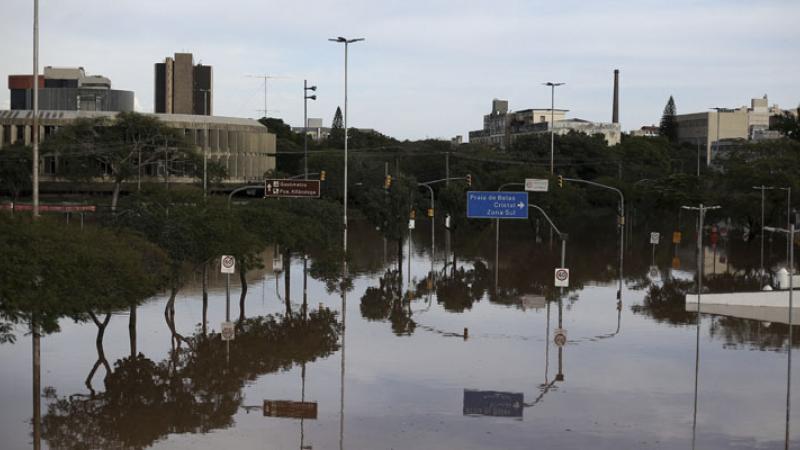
452 352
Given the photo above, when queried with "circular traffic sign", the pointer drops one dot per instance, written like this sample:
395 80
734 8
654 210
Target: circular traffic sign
228 262
560 337
562 274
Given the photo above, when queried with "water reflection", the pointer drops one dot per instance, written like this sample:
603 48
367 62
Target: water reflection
189 392
194 390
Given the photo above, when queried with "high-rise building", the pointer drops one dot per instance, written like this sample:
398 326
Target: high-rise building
68 89
181 87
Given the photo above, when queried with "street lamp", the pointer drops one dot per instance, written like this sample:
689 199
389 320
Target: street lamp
790 233
700 258
346 43
306 98
763 188
552 113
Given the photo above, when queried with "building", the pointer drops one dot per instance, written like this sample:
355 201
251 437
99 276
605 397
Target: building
501 127
647 131
68 89
244 146
317 132
711 129
181 87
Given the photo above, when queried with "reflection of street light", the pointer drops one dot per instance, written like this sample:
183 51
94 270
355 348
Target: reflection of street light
346 43
790 233
552 113
701 213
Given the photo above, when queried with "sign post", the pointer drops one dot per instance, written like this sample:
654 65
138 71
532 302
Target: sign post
562 277
537 185
227 266
281 188
560 337
497 205
655 237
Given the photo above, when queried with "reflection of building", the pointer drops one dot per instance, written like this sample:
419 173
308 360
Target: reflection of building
742 123
68 89
244 146
502 127
181 87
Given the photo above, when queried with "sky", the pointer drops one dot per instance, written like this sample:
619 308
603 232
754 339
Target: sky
429 68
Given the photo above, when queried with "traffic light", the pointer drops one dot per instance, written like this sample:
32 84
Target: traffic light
321 175
561 181
469 179
430 212
387 182
413 214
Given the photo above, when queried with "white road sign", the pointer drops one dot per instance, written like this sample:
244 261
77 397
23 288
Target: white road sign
562 277
411 224
227 331
654 238
227 264
537 185
560 337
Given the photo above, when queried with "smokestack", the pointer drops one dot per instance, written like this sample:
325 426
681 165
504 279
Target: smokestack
615 112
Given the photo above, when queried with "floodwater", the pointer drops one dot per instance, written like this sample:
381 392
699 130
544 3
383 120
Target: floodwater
460 365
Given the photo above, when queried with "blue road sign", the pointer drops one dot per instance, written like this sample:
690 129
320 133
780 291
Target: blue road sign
493 403
497 205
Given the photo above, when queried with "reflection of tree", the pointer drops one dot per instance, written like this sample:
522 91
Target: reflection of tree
465 287
739 332
386 301
667 303
193 391
376 303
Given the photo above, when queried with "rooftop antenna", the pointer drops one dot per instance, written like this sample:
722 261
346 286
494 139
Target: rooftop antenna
266 78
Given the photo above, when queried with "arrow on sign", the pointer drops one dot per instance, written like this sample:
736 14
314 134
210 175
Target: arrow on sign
520 205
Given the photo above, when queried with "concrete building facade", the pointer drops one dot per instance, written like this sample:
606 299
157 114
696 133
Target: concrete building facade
711 129
68 89
181 87
502 127
244 146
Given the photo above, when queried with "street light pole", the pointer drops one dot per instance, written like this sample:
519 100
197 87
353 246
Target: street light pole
552 114
621 226
35 130
306 98
790 233
763 188
346 43
700 258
